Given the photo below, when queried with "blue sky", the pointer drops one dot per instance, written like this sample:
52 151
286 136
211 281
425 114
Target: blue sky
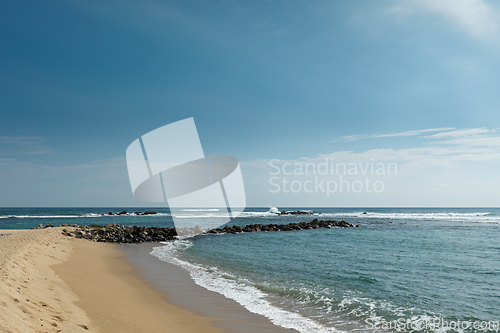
412 82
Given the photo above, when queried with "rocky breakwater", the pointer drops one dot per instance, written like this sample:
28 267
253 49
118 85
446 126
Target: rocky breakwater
116 233
314 224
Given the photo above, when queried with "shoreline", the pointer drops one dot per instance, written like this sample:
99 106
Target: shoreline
177 284
116 299
55 283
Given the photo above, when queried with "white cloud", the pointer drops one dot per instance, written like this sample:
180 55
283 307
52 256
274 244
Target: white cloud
453 167
351 138
468 132
98 183
31 151
471 138
22 145
476 17
446 148
21 140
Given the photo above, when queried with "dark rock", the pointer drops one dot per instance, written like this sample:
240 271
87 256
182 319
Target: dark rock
115 233
297 212
149 213
122 213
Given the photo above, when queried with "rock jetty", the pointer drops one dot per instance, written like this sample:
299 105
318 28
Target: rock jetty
116 233
314 224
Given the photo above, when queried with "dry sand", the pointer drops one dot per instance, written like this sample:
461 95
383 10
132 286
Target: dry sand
32 297
53 283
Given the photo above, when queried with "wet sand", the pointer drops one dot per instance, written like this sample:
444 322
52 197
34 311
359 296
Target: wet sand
181 290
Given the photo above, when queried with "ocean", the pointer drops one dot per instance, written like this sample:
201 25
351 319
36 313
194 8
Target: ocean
402 269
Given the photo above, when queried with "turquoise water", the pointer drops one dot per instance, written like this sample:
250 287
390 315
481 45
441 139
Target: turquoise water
401 267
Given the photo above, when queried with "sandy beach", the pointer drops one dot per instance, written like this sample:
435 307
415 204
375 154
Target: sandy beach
53 283
32 297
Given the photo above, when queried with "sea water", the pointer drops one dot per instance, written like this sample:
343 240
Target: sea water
402 269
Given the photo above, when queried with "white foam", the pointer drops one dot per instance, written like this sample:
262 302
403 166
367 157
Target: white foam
201 216
253 299
480 217
46 216
73 216
484 217
271 212
274 210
